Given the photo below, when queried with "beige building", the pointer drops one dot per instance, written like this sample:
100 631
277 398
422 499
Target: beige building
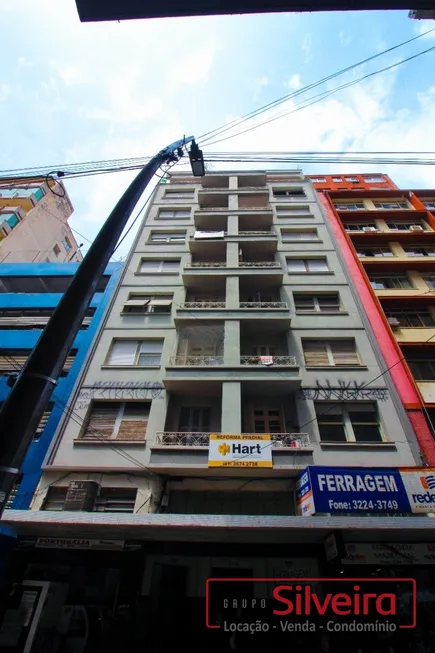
34 223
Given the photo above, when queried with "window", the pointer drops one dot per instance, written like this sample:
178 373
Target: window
429 280
322 353
352 179
430 205
337 180
110 420
352 422
378 252
404 226
391 205
292 211
289 192
315 265
140 304
411 317
317 303
135 352
67 244
56 250
423 370
176 214
360 226
179 194
194 419
29 319
419 251
166 237
109 499
153 266
288 235
318 180
12 360
396 282
350 206
268 420
374 180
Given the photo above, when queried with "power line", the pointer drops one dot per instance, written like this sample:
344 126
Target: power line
289 96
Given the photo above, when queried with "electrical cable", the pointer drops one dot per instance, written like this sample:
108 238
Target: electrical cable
289 96
318 98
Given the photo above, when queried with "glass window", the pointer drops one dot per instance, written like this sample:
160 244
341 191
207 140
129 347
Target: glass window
394 283
429 280
411 318
165 237
337 180
182 194
350 206
307 265
135 352
419 251
348 422
176 214
152 304
423 370
317 303
56 250
374 180
391 205
289 192
352 179
318 180
330 353
430 205
288 235
162 267
374 251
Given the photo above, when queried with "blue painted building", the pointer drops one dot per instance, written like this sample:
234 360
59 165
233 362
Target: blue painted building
29 293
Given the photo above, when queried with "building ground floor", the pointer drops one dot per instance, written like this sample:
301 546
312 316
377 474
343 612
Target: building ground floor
68 589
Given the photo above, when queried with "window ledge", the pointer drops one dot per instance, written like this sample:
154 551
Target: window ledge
164 242
107 443
364 445
321 313
124 313
301 240
336 367
130 367
147 274
306 274
171 447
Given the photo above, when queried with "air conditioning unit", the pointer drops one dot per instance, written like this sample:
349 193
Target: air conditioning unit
369 229
393 321
416 227
81 496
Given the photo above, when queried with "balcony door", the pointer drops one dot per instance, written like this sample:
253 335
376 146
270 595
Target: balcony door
263 350
194 419
268 420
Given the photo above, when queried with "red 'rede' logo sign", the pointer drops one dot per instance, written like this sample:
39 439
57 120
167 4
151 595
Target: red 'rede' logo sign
311 604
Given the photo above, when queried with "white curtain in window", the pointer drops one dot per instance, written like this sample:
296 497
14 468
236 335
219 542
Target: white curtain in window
123 352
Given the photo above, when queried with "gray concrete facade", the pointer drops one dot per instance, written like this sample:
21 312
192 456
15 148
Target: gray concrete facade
234 298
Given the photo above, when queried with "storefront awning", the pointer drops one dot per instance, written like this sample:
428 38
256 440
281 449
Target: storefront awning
218 528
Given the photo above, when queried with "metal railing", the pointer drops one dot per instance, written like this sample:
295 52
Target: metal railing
263 305
193 439
207 264
213 208
196 361
257 233
259 264
269 361
204 304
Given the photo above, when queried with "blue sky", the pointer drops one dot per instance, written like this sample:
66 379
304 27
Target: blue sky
74 92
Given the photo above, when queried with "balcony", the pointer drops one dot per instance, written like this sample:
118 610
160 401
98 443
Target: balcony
195 439
263 306
212 201
250 181
195 361
199 274
268 361
258 200
214 182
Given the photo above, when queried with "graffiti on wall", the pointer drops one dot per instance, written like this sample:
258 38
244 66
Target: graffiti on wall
119 390
343 391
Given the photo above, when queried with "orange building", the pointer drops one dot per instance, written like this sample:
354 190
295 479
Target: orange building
387 239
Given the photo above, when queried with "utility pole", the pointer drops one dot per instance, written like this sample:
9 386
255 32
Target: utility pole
29 396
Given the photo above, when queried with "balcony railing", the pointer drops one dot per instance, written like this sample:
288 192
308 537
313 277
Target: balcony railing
259 264
196 361
269 361
257 233
193 439
263 305
207 264
204 304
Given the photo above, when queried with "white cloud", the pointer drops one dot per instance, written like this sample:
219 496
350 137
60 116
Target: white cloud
5 92
426 26
259 84
193 67
70 74
294 82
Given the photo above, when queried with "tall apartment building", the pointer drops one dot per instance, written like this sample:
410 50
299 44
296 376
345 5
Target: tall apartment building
34 222
235 316
387 238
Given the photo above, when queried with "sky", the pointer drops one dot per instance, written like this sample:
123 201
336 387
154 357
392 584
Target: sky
74 92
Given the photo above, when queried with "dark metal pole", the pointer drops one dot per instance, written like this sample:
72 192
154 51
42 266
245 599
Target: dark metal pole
25 404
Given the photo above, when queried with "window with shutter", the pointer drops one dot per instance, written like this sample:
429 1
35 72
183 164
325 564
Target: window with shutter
307 265
153 266
135 352
330 353
176 214
125 421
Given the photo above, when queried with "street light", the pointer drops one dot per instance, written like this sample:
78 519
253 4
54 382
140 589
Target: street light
31 392
196 160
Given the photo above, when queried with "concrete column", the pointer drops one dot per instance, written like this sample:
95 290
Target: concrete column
233 202
232 292
233 255
231 407
232 342
233 225
233 182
